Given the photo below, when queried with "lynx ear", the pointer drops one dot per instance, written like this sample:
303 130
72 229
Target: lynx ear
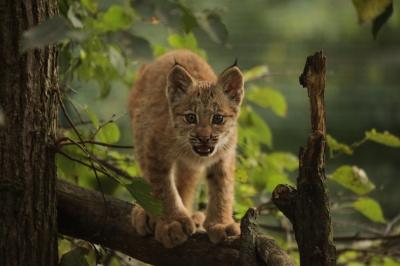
179 82
232 81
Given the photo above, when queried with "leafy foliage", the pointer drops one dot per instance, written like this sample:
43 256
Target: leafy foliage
370 208
268 98
75 257
140 191
377 10
334 145
353 178
99 45
384 138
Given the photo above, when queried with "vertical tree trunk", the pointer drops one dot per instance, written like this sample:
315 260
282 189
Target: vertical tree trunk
28 218
307 207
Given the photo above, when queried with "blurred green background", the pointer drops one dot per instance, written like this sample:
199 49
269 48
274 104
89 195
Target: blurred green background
362 88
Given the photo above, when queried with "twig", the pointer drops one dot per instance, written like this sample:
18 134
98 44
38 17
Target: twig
97 143
83 163
111 120
79 114
68 87
101 126
360 225
391 223
362 238
83 148
353 146
115 169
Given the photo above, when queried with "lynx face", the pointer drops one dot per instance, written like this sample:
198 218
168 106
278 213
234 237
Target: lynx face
204 113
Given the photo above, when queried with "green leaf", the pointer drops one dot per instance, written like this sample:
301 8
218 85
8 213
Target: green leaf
188 21
168 13
347 256
252 126
390 262
370 9
240 174
268 176
353 178
70 169
379 21
115 18
159 50
243 199
50 31
268 98
122 161
133 46
384 138
105 85
371 209
191 42
109 133
337 146
177 41
255 73
140 191
92 7
74 20
117 60
186 41
93 116
211 23
144 8
75 257
276 179
285 159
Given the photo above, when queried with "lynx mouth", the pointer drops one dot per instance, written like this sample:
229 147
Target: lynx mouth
203 150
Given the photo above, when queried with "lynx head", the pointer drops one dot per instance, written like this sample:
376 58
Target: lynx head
204 113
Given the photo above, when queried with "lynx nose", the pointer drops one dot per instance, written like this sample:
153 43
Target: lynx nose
203 139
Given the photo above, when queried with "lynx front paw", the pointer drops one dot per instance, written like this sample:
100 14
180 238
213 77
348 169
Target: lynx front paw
220 232
143 222
172 234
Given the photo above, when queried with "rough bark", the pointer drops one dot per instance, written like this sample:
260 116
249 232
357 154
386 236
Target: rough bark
82 214
28 224
307 207
248 237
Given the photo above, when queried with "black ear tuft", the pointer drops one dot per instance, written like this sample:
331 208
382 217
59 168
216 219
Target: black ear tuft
235 64
232 83
179 81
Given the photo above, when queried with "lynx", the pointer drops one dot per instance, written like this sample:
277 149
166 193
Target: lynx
184 124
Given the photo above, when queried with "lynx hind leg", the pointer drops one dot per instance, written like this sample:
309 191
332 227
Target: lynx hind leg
143 222
198 219
219 232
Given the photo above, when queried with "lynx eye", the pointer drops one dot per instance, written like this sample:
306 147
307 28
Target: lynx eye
218 119
190 118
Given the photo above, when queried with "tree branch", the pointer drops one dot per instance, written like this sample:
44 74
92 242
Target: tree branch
307 206
82 214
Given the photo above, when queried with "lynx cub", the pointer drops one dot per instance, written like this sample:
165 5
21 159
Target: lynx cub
184 123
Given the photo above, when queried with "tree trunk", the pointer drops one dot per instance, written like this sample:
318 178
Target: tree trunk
28 217
307 207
